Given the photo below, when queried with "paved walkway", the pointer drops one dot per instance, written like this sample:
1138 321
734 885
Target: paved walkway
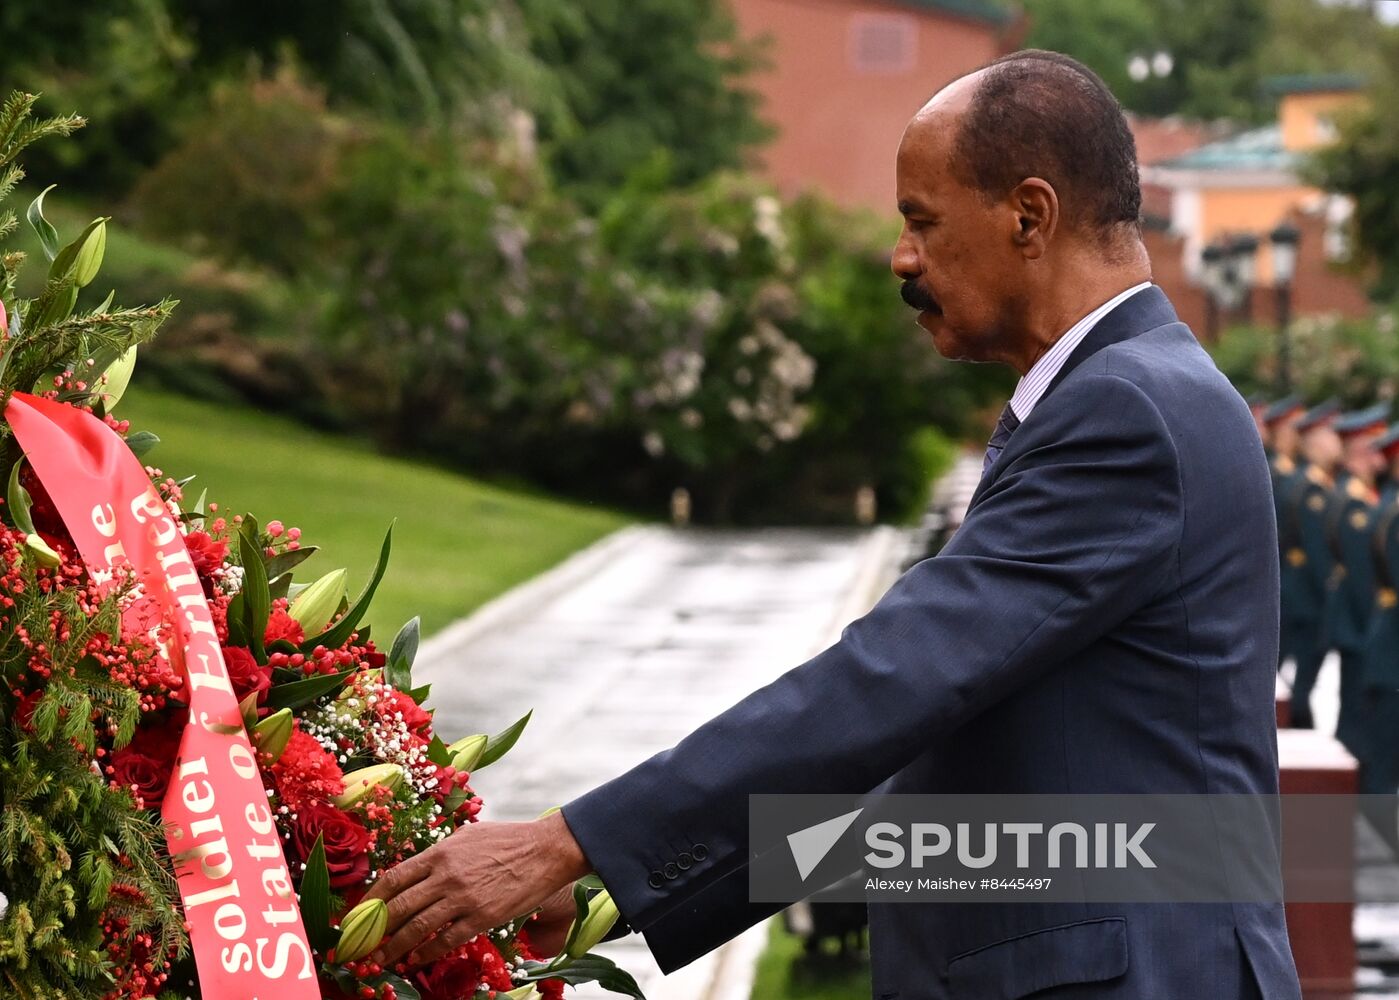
627 647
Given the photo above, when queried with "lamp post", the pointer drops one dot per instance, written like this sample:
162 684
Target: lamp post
1244 251
1284 240
1212 277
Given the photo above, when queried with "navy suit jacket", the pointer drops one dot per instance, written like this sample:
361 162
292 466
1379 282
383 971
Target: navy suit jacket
1105 620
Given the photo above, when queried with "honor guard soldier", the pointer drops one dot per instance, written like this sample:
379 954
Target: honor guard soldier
1379 773
1305 508
1280 433
1351 586
1258 405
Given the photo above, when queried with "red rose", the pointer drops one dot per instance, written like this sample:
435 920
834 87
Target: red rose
246 675
206 553
345 838
281 625
146 762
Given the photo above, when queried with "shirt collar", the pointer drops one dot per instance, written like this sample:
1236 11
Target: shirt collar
1035 381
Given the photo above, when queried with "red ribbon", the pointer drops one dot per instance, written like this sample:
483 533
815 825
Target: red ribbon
245 927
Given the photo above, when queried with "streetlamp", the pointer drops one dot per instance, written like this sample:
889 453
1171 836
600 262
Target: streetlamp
1284 240
1212 277
1244 251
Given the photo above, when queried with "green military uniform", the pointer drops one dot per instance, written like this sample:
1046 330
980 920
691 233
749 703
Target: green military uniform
1307 506
1379 772
1350 597
1286 475
1380 678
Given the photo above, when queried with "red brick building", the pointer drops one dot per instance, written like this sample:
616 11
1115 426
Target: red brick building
846 76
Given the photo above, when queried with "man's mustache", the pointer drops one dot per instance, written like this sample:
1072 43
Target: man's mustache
917 297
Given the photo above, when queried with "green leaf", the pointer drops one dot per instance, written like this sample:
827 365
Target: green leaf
419 694
237 625
591 881
19 500
59 307
402 654
404 989
141 442
65 265
339 633
454 800
589 969
248 709
48 236
90 255
498 745
438 753
257 600
314 605
299 693
284 562
315 900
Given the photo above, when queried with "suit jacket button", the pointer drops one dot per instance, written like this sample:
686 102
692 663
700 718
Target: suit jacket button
700 852
655 881
684 861
670 870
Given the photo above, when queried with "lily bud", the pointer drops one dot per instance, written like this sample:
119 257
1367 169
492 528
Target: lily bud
549 812
602 914
525 992
42 553
358 783
362 930
89 260
468 750
272 734
315 605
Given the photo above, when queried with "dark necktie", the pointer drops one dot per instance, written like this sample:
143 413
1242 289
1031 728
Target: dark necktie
1004 428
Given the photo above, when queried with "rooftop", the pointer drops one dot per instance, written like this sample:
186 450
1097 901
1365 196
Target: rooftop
1256 149
991 11
1313 83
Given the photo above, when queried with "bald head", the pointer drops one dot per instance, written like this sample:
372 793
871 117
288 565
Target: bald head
1042 114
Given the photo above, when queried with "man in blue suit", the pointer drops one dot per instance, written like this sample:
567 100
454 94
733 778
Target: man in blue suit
1105 620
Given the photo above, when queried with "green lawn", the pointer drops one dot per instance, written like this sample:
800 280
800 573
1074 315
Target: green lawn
785 972
457 542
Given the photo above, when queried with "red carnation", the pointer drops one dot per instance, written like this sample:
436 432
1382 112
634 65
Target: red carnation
345 839
457 975
281 625
246 675
415 718
206 552
146 762
306 773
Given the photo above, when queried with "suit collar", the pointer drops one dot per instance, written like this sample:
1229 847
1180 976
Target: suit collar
1148 310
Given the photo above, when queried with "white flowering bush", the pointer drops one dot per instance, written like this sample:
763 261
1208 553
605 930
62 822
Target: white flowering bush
753 352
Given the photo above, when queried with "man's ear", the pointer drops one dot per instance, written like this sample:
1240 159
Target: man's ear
1036 208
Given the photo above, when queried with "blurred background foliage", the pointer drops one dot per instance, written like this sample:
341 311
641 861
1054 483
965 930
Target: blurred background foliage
523 237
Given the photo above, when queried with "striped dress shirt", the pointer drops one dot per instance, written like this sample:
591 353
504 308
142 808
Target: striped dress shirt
1033 383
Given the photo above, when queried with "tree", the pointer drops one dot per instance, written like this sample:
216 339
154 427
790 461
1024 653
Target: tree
1364 164
642 78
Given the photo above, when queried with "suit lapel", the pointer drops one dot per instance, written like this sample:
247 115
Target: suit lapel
1148 310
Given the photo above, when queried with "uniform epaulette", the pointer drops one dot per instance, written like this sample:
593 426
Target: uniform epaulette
1320 478
1284 465
1357 490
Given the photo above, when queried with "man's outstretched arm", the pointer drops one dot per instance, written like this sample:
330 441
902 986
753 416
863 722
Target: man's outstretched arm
1079 531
